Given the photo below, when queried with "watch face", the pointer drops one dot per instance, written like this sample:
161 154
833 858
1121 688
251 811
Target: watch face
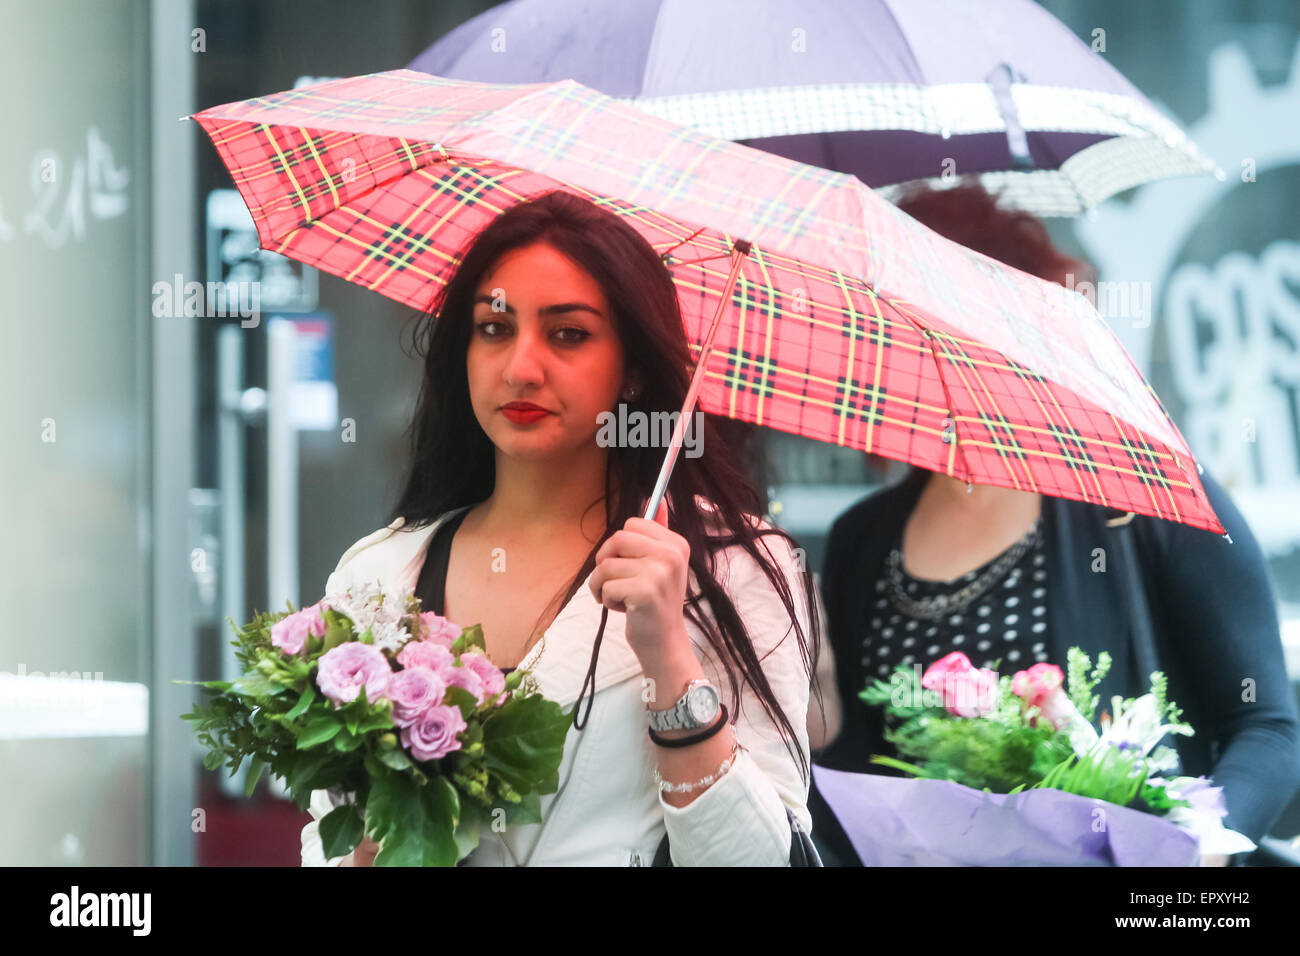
703 705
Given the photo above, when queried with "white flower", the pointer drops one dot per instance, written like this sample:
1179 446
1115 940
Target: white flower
372 609
388 636
1137 726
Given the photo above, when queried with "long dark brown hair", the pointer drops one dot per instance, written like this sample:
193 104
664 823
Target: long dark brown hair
648 321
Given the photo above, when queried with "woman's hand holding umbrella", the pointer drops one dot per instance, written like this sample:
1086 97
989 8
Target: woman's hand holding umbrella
641 571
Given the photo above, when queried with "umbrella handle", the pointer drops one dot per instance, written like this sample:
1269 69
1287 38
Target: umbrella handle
740 249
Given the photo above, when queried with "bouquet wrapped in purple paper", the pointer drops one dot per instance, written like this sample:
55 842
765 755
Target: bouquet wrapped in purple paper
1011 771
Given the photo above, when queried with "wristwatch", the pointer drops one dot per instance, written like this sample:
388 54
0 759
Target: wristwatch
696 708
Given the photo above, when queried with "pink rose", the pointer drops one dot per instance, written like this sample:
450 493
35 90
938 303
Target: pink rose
466 678
1036 685
954 663
434 627
1059 710
967 692
428 654
290 634
494 682
433 735
343 671
1042 686
972 693
413 691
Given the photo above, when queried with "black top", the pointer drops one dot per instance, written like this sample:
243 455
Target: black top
1212 610
1003 627
431 587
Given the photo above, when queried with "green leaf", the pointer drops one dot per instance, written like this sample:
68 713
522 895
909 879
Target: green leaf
211 684
346 742
527 811
319 731
460 697
341 830
523 741
316 770
255 684
255 769
471 637
415 826
397 759
378 720
337 631
304 702
474 819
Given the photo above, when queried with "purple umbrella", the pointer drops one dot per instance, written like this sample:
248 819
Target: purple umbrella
889 91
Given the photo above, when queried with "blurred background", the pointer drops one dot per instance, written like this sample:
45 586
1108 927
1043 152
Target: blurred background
163 472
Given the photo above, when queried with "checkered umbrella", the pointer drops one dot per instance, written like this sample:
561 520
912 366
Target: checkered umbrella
836 317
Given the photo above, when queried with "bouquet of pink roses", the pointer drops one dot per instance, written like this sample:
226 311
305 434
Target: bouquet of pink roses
362 692
1012 771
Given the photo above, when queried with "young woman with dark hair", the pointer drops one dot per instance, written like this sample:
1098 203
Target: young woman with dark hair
555 312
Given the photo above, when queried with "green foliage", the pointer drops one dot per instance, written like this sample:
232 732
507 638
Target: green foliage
422 812
980 753
414 825
470 639
524 741
340 831
1010 749
1080 683
1105 773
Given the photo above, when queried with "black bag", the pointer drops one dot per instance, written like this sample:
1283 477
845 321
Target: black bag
802 851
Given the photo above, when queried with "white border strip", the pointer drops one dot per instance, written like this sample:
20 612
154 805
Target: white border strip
60 705
1145 145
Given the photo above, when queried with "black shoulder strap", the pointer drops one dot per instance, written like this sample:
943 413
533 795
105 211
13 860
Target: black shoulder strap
430 586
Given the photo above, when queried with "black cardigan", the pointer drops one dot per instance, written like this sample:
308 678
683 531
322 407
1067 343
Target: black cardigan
1214 618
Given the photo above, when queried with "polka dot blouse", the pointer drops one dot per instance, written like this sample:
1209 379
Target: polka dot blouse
1007 623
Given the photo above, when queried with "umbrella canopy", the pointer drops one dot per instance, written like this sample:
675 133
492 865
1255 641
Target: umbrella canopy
847 321
889 91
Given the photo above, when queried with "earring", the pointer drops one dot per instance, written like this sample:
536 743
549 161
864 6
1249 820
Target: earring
629 393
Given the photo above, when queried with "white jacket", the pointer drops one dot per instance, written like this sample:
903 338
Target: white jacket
608 810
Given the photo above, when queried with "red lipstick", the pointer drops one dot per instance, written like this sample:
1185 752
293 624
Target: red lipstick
523 413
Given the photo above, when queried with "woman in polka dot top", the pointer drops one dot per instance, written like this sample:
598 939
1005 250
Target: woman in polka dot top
923 568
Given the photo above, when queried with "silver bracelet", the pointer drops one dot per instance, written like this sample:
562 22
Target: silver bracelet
667 787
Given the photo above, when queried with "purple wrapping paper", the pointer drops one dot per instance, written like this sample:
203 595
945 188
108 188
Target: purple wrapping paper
900 821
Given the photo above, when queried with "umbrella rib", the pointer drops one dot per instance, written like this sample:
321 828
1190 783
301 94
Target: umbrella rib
740 251
938 370
669 251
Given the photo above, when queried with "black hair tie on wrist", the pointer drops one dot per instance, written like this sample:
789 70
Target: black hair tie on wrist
695 739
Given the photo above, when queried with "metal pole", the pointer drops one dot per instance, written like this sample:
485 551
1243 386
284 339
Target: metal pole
739 251
281 469
230 482
171 183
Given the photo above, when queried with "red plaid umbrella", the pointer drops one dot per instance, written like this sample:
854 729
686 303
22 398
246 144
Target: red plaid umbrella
839 318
